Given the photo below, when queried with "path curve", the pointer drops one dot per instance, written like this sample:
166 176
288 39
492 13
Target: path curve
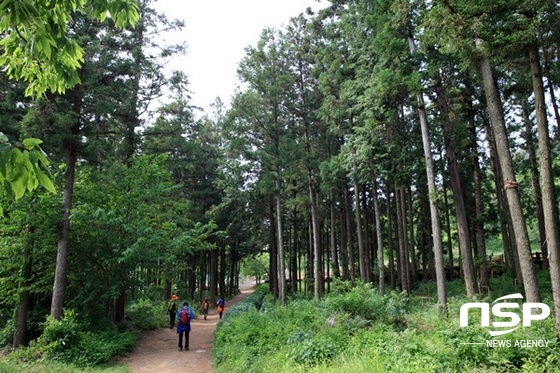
157 350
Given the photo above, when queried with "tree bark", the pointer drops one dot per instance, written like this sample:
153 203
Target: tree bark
20 338
412 252
59 286
390 245
401 239
484 280
273 253
334 253
533 161
317 252
547 181
213 271
436 228
378 227
294 277
509 183
358 216
280 237
458 201
350 242
345 271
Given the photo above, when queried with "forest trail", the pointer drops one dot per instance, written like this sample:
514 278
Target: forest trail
157 350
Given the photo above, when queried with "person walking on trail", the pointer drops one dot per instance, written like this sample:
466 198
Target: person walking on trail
172 309
204 307
184 316
221 306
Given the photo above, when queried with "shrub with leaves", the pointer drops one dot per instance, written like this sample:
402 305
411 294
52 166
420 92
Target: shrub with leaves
64 340
147 315
59 335
308 349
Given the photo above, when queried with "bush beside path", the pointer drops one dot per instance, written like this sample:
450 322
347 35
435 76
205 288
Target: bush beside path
157 350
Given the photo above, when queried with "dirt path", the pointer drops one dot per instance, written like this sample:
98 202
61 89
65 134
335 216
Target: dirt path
157 351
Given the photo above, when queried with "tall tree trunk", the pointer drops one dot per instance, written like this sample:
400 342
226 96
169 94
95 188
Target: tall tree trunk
533 161
425 245
349 239
447 219
404 272
368 245
317 252
390 245
436 228
59 286
484 280
273 253
281 264
345 265
334 253
358 216
213 269
399 269
380 259
553 101
309 279
509 183
547 182
203 270
510 265
190 275
295 253
458 201
20 338
412 239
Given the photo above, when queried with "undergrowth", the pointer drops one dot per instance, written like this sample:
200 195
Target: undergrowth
70 345
355 329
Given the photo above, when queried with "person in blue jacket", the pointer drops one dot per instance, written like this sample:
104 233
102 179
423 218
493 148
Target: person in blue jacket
184 325
221 306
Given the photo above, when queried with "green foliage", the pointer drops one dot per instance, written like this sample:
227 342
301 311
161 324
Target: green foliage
66 341
403 335
362 302
22 167
147 315
255 266
60 335
37 40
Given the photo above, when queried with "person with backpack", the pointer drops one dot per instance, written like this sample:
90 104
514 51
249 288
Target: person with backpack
184 316
221 306
204 307
172 309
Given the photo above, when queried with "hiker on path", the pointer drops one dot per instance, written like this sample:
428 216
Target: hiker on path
184 317
221 306
172 309
204 307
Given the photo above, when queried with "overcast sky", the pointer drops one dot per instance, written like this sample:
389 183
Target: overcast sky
216 33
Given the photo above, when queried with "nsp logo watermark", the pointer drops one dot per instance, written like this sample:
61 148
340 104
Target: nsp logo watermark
530 312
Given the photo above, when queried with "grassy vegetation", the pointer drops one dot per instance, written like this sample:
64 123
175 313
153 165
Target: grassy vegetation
357 330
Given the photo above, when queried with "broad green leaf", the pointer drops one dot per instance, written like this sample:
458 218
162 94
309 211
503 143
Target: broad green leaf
32 182
44 180
31 143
